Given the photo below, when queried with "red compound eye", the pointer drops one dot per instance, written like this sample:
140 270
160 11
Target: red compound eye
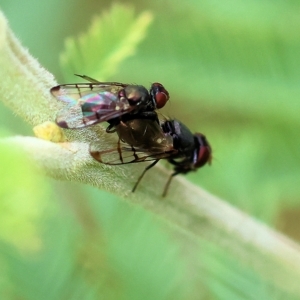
203 154
159 94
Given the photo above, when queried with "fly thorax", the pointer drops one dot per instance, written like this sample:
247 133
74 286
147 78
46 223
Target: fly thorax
137 95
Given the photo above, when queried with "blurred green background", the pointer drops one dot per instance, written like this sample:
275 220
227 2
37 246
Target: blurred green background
232 69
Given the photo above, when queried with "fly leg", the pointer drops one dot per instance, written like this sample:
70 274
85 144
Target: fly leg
168 184
142 175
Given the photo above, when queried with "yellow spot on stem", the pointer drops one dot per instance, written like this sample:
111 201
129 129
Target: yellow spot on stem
49 131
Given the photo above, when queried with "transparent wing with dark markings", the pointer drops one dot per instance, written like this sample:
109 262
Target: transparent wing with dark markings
140 140
123 153
90 103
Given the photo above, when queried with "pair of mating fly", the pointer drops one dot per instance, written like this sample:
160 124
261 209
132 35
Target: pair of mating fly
130 112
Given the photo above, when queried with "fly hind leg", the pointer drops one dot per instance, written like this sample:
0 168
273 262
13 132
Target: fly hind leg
144 172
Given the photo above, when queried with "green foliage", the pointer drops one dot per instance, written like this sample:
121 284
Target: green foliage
111 38
233 74
19 219
232 71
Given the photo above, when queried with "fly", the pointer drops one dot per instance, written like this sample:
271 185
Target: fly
146 140
96 102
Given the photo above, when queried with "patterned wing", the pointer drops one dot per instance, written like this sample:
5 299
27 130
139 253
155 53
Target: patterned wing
140 140
123 153
90 103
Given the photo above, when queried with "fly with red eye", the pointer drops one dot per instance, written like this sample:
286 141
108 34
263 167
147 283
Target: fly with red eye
130 112
96 102
146 140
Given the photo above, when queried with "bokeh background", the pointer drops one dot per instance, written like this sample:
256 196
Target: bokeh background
232 69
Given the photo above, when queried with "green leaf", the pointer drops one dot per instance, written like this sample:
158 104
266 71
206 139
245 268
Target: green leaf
111 38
